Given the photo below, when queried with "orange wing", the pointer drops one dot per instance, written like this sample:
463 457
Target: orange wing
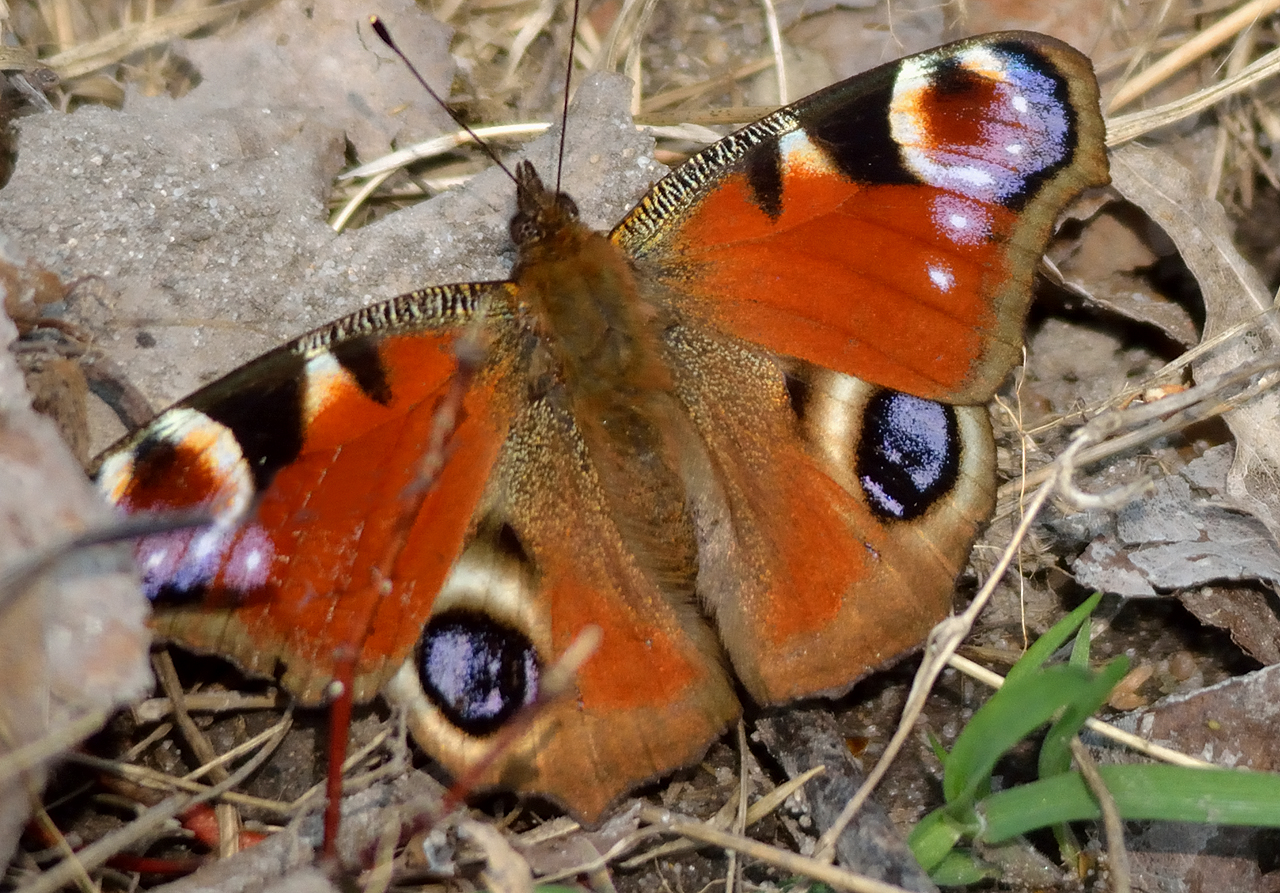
838 269
887 227
308 455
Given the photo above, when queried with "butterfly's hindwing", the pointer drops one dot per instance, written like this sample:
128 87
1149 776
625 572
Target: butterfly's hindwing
650 700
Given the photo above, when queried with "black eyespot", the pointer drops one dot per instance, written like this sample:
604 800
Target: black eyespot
908 455
477 671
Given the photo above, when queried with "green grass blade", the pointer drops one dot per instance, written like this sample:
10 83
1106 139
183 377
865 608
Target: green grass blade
935 836
1081 646
1055 752
1053 639
961 869
1011 714
1170 793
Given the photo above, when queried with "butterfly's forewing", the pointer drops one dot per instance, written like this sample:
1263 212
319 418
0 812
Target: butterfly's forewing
885 228
888 226
316 447
315 450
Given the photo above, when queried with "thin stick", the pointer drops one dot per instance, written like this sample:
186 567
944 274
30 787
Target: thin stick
784 859
101 850
775 44
1117 857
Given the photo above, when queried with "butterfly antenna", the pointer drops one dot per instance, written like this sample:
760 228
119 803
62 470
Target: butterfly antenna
568 77
385 36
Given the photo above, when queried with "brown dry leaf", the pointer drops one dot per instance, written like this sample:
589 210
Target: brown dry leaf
1113 259
1233 295
1244 612
561 848
506 871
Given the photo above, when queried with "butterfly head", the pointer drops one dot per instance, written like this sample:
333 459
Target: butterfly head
540 212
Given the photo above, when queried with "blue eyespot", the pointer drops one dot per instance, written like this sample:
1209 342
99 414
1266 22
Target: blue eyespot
477 671
908 455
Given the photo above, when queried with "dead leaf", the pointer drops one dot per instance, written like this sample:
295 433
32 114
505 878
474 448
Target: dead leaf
507 871
1233 724
1174 538
1110 267
1234 294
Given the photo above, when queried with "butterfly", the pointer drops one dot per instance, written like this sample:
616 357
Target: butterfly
742 434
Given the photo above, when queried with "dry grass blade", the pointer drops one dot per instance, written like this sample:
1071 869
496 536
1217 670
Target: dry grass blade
440 145
532 25
755 812
626 845
41 817
1122 129
1192 50
159 781
29 756
156 709
624 35
1209 399
380 169
262 739
1117 858
650 107
115 46
1106 730
19 59
775 44
101 850
353 760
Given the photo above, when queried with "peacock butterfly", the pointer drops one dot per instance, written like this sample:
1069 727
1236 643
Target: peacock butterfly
743 434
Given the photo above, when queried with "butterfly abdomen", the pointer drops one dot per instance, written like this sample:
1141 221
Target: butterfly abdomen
609 373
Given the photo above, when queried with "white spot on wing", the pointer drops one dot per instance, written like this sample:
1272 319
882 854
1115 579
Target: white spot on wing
941 277
204 442
800 156
325 380
1023 126
961 220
